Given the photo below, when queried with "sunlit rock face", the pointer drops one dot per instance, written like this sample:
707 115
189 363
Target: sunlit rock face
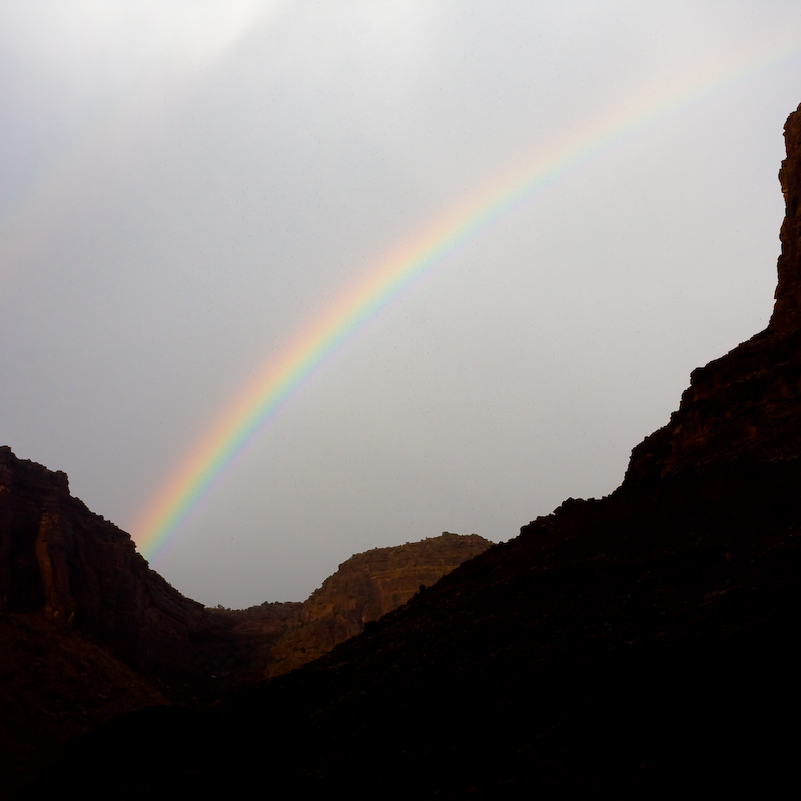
744 407
242 646
367 586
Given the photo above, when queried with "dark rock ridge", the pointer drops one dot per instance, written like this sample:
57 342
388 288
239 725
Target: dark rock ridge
84 572
645 645
787 312
87 630
743 407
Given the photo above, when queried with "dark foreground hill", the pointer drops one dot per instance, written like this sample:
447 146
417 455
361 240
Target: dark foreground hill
643 645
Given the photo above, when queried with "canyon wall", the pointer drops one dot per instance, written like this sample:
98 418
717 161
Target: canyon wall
84 573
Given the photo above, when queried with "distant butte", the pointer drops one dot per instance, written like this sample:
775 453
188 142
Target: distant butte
364 588
239 646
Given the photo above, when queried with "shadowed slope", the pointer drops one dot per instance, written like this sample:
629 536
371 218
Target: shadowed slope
84 573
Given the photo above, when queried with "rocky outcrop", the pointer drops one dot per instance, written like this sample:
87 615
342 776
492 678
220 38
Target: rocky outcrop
743 408
83 572
364 588
237 647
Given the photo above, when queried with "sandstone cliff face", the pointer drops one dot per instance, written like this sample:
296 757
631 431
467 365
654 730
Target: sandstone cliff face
364 588
84 573
743 407
236 647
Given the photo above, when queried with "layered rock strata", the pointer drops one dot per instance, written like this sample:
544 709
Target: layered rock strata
364 588
241 646
743 407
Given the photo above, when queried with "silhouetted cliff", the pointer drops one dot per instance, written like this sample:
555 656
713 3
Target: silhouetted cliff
743 408
57 556
89 631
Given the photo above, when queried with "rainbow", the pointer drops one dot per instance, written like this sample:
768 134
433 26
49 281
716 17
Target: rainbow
252 409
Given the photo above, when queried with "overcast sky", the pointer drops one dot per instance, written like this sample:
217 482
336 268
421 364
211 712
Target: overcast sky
186 186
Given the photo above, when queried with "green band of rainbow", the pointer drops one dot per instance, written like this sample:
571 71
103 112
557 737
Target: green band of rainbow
276 382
